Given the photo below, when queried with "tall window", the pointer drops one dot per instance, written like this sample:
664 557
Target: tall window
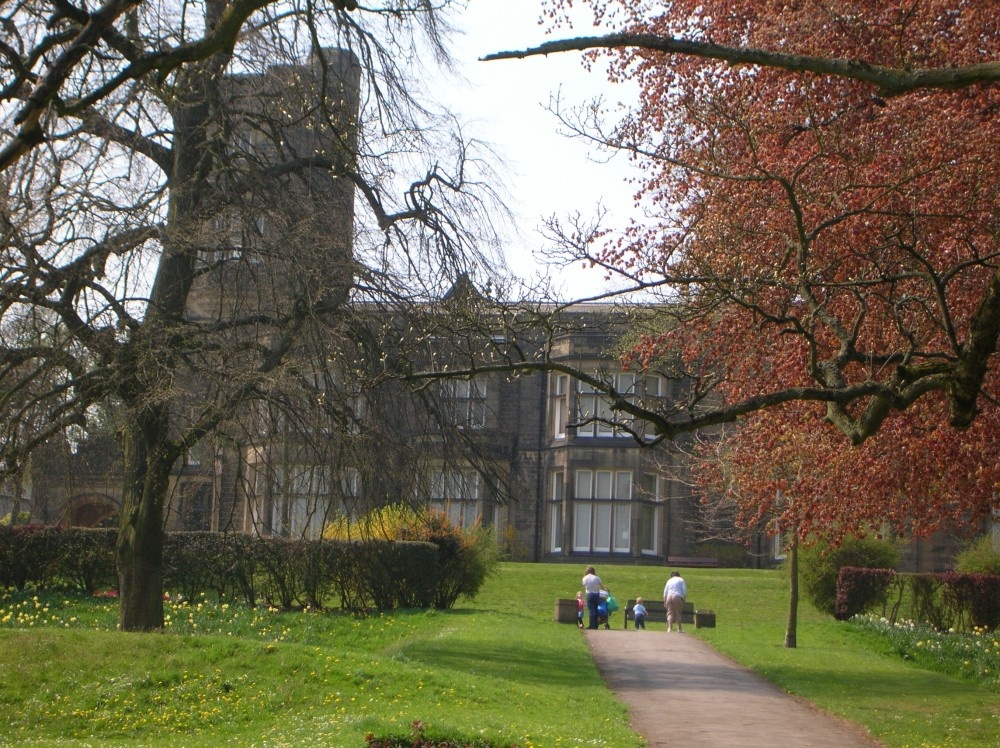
602 510
559 405
350 493
556 495
458 493
649 513
593 413
466 402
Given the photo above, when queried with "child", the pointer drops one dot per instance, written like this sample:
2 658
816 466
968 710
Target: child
639 614
580 606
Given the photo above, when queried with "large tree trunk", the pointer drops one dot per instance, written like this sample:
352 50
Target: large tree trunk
149 450
140 531
791 628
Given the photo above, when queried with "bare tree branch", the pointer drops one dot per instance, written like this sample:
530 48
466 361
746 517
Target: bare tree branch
890 81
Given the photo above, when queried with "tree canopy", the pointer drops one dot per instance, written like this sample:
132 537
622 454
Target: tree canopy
850 236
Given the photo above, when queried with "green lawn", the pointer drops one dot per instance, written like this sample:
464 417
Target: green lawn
496 669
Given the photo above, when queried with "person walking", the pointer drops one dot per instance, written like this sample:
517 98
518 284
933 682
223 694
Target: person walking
674 593
592 585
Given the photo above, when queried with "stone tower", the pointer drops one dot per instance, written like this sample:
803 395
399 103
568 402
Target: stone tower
279 230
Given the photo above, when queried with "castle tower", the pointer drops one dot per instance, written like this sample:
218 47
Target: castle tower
279 231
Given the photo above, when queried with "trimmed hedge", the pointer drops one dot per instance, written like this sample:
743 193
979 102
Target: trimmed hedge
364 575
860 590
946 601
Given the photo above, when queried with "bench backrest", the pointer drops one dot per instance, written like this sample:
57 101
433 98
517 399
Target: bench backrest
653 608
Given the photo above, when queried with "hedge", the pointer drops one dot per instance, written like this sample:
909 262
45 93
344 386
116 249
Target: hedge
362 575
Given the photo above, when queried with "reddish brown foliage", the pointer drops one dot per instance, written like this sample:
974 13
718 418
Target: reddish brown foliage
823 236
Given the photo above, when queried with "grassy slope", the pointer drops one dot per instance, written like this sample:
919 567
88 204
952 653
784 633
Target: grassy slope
497 668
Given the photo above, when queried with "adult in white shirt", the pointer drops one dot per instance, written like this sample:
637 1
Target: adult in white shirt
674 593
592 585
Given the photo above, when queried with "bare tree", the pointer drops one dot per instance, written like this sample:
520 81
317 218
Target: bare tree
179 182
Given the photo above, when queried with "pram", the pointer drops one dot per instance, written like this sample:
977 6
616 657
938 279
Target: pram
605 608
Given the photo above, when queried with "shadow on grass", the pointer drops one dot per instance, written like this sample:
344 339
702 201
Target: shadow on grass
504 659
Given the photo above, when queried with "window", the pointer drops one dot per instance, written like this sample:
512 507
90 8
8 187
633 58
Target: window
196 506
777 538
350 493
559 405
649 494
602 511
458 493
556 495
593 409
593 413
225 241
778 547
465 400
301 501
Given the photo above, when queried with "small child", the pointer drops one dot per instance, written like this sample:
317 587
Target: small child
580 606
639 614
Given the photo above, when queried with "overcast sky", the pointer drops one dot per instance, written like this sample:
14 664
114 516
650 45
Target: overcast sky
502 102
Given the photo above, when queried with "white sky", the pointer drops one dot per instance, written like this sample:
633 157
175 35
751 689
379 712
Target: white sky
502 102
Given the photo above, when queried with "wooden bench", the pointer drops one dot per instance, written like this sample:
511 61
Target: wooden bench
656 612
693 561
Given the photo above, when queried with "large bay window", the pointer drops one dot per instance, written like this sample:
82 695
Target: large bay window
602 511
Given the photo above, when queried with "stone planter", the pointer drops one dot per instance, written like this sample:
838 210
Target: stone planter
565 610
704 619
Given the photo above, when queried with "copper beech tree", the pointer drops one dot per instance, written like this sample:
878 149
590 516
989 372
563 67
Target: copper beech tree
821 189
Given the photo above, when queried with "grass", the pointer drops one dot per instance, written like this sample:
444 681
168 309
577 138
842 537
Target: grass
497 669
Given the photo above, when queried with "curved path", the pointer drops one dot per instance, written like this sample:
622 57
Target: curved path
681 692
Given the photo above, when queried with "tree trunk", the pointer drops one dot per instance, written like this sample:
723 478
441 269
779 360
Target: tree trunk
791 628
140 531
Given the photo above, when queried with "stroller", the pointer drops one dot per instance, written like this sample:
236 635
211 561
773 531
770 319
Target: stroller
605 608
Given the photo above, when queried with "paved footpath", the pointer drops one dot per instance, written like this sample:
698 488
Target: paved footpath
681 692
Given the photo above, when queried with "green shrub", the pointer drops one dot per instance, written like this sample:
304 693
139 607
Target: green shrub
821 562
979 557
385 574
729 555
465 558
23 518
929 605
